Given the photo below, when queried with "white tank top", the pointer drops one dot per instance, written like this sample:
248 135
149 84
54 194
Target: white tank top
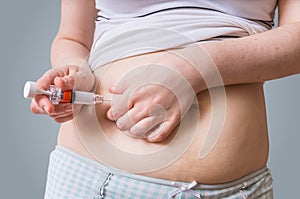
251 9
123 26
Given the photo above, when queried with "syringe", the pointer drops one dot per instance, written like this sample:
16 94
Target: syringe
56 95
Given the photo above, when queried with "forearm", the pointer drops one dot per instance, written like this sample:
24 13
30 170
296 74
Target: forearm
66 51
75 36
257 58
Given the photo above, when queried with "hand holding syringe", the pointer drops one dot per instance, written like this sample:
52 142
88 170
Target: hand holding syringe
56 95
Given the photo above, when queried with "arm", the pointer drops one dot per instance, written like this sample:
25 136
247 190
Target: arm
69 51
269 55
75 36
257 58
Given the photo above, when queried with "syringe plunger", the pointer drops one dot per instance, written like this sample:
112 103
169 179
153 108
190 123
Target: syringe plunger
30 90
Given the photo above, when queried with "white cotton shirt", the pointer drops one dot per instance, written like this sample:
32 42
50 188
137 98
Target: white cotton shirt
130 27
251 9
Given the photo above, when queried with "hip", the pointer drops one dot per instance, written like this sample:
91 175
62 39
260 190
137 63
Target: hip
100 181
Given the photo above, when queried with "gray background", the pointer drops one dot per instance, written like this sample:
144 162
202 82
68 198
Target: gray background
27 30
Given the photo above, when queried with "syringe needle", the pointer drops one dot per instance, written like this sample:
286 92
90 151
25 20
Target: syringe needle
107 100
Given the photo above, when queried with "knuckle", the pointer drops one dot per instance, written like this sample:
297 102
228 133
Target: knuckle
132 118
156 100
141 112
135 95
148 107
174 116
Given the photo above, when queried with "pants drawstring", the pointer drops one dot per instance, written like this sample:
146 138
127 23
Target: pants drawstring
103 185
185 188
243 192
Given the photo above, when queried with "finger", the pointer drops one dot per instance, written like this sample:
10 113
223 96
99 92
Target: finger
44 103
61 82
143 127
65 114
125 122
61 109
35 108
109 114
134 115
119 88
64 119
48 78
160 132
67 82
87 79
120 105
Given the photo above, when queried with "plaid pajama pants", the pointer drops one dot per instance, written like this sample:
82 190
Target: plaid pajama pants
76 177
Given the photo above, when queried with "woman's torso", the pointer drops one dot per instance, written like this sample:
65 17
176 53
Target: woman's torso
242 146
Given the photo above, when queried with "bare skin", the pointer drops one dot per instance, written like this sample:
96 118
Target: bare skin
241 149
243 145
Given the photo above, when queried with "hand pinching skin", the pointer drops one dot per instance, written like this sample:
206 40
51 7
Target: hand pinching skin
150 101
64 78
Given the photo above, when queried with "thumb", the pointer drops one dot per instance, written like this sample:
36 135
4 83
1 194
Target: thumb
109 114
66 82
119 88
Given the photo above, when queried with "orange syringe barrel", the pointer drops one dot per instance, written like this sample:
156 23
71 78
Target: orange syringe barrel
67 96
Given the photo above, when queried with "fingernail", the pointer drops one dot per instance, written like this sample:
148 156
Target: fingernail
151 136
115 116
112 89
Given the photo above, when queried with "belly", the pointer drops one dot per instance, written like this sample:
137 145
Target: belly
241 146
